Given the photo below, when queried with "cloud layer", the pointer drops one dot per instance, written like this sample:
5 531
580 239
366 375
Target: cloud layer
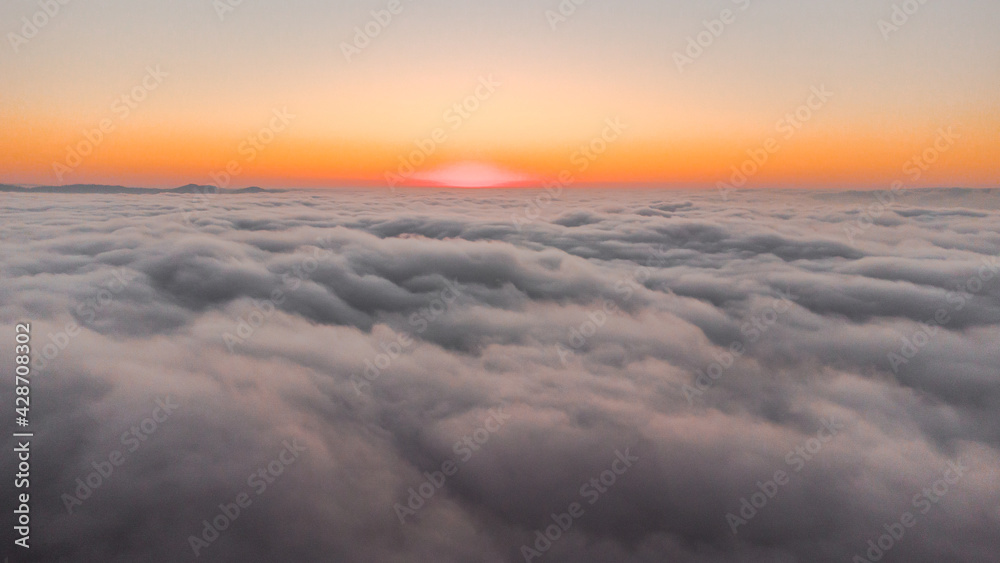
500 350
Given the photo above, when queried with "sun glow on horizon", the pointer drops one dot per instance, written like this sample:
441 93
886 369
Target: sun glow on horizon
472 175
511 104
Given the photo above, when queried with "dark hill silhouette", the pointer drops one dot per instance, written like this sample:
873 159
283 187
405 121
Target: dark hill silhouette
102 189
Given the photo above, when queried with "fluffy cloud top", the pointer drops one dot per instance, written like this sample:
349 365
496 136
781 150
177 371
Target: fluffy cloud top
331 354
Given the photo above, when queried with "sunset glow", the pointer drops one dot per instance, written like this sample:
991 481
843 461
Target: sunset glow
471 175
468 92
500 281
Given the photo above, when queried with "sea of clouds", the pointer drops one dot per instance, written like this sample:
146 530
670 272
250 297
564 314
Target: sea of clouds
489 376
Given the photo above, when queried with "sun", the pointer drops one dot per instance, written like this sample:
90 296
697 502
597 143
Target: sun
472 175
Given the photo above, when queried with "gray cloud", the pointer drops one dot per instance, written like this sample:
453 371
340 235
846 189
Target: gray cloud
668 282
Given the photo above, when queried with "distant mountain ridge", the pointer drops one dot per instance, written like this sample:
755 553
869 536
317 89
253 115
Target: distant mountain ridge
102 189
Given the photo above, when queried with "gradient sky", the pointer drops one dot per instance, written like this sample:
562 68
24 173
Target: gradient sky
354 120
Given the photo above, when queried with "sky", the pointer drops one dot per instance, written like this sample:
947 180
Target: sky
779 93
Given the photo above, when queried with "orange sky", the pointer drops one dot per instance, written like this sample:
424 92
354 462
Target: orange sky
487 94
